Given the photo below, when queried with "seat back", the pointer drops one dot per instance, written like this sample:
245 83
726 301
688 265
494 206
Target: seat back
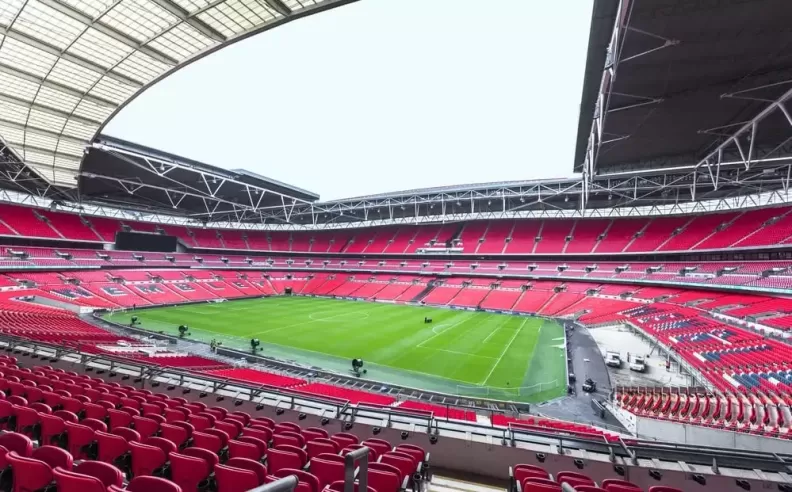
29 474
261 433
521 472
289 438
18 443
152 484
344 439
287 426
381 446
403 464
303 476
209 457
315 433
94 424
145 459
78 436
188 471
383 481
75 482
260 445
110 447
616 485
233 429
165 445
664 488
129 435
239 449
207 441
327 471
251 465
175 434
277 459
540 485
574 479
107 474
145 427
231 479
320 446
53 456
415 451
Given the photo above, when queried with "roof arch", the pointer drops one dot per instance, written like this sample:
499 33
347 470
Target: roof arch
68 66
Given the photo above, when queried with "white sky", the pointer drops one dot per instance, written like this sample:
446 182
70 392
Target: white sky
383 95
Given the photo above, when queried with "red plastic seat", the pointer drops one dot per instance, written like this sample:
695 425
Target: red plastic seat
17 443
589 488
243 417
278 458
165 445
66 415
664 488
232 428
405 465
540 485
68 481
53 456
110 447
383 481
616 485
344 439
209 457
26 420
327 471
315 433
151 484
303 476
574 479
338 486
207 441
94 424
53 429
177 435
189 471
130 435
107 474
78 437
146 459
251 465
320 446
287 426
230 479
381 446
200 422
29 474
264 421
260 433
260 445
239 449
290 438
521 472
145 427
373 454
94 411
119 418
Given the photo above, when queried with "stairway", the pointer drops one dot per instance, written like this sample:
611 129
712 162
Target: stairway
429 287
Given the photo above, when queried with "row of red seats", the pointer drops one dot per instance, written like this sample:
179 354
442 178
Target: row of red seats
533 478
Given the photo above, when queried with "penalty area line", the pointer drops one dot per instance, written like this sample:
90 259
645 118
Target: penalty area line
505 349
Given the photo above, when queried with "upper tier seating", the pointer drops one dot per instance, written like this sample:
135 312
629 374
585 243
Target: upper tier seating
716 231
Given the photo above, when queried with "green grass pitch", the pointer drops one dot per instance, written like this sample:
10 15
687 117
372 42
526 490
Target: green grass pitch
467 353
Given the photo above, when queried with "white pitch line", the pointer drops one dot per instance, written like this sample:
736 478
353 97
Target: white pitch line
460 353
517 332
449 327
493 332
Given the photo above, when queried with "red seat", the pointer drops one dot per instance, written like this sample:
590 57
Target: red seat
146 459
94 411
319 446
589 488
231 479
344 439
79 437
220 434
521 472
373 454
145 427
18 443
200 423
574 479
540 485
259 433
405 465
107 474
53 456
264 421
290 438
315 433
278 458
150 484
209 457
232 428
239 449
207 441
29 474
664 488
260 445
616 485
26 420
381 446
165 445
53 430
68 481
94 424
251 465
110 447
338 486
130 435
303 476
383 481
327 471
189 471
119 418
177 435
416 452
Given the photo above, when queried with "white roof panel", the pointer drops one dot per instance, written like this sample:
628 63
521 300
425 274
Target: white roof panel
67 65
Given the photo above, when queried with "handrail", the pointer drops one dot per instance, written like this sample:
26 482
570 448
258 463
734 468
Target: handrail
285 484
361 455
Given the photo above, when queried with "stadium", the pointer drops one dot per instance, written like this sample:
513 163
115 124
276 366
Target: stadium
171 325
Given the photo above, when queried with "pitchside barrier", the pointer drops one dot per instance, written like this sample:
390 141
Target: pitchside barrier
505 392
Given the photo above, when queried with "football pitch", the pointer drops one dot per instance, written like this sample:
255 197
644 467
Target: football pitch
466 353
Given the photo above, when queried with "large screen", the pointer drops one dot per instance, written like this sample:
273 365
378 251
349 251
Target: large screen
141 241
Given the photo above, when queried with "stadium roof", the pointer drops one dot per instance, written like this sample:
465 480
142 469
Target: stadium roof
673 83
67 66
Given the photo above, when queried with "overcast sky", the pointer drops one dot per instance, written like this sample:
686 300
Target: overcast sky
383 95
